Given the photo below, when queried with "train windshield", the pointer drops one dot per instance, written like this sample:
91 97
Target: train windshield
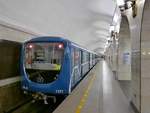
44 56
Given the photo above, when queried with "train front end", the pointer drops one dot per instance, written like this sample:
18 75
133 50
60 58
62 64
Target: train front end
45 66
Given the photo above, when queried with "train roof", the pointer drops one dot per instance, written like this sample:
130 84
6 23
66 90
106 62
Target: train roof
53 38
78 46
46 38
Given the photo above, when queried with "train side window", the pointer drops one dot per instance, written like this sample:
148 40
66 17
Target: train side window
76 57
83 57
87 56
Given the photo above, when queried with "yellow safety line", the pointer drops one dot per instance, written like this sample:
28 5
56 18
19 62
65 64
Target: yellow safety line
84 97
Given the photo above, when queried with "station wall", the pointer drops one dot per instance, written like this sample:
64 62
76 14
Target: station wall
145 60
124 51
140 95
135 31
10 87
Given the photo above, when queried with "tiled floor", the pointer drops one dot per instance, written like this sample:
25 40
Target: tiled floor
104 96
114 100
126 87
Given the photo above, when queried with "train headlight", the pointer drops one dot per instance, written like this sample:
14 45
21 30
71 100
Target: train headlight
60 46
30 46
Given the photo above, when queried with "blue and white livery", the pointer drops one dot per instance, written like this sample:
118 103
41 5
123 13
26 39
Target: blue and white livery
53 65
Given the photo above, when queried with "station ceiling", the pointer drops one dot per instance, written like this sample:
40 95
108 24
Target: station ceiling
86 22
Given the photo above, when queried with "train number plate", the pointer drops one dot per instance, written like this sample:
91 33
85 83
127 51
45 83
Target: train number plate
59 91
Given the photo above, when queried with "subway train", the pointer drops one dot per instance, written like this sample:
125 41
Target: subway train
53 66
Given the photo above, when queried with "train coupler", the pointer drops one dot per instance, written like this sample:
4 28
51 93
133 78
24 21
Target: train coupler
41 96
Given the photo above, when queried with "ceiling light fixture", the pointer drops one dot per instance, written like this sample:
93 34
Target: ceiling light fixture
120 2
127 5
111 28
144 53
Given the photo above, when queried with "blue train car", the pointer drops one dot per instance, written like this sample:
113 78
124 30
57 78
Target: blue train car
53 65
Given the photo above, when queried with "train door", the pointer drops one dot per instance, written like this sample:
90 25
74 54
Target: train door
72 66
89 61
76 65
82 62
93 60
80 58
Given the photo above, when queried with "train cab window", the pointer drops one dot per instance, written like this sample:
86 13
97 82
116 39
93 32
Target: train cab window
44 56
43 61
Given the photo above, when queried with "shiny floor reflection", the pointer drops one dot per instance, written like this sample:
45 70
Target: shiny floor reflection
114 100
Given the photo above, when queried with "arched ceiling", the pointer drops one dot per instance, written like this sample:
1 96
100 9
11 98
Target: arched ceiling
85 22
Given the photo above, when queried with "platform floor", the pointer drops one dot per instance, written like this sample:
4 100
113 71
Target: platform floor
98 92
